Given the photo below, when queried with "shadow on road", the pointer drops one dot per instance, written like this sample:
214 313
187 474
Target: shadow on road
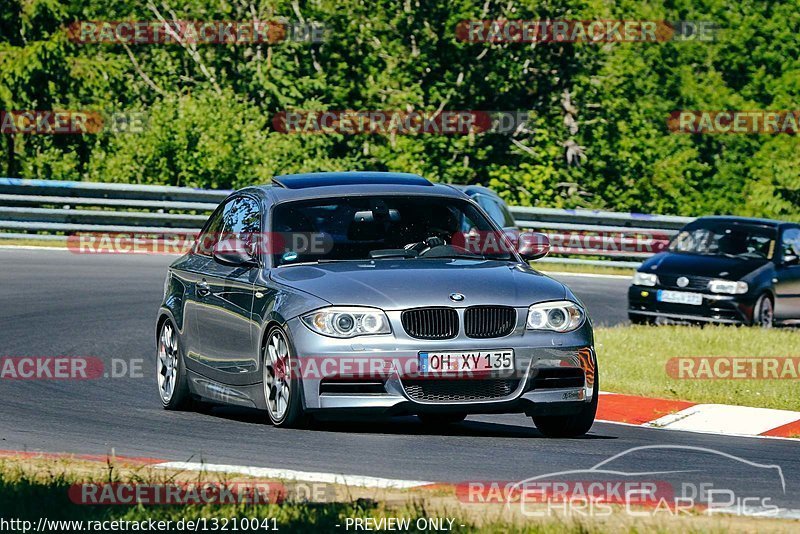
404 425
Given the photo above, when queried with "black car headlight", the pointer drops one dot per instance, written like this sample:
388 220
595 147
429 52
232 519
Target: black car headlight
557 316
729 287
347 322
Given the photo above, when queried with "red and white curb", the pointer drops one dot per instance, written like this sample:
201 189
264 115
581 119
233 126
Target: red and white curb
722 419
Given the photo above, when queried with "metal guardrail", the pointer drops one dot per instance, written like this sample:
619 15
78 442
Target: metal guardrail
602 238
51 210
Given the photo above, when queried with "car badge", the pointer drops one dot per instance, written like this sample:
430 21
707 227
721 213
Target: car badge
456 297
683 281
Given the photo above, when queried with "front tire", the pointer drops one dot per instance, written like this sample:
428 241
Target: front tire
763 313
173 387
282 392
570 426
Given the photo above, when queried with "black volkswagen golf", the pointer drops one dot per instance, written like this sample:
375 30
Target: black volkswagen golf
725 270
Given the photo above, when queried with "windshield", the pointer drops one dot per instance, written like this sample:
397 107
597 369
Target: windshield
382 227
730 240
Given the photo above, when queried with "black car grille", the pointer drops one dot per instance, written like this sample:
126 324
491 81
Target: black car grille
459 390
559 377
699 283
489 321
431 323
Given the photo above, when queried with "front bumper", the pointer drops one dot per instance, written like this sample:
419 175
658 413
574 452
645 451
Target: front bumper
717 308
395 388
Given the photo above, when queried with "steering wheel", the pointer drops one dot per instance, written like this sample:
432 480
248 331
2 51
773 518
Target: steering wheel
421 247
433 242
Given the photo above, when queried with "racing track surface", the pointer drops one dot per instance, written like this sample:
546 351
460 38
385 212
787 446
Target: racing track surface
59 303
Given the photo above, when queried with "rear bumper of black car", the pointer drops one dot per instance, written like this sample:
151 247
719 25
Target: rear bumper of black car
728 309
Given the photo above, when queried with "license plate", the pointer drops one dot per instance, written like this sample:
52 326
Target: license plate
679 297
467 361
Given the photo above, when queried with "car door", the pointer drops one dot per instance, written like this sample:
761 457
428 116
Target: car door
225 349
787 276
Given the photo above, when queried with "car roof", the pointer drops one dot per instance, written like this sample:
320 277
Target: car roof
738 220
475 190
324 184
324 179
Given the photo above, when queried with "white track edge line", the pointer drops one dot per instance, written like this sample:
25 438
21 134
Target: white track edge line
290 474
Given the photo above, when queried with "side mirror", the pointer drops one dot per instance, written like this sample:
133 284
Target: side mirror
533 245
233 251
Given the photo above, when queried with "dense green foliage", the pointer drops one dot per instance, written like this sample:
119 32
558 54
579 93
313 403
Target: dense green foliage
599 136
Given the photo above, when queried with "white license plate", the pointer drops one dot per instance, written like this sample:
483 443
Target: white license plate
679 297
466 361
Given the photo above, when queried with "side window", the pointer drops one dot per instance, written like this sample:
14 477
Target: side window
791 243
506 213
240 217
210 236
494 210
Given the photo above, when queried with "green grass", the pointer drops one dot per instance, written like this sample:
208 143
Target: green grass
587 269
633 360
30 489
60 243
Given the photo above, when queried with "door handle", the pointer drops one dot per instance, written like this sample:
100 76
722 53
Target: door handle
203 288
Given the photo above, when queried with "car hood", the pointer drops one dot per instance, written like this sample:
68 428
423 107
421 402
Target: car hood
401 284
699 265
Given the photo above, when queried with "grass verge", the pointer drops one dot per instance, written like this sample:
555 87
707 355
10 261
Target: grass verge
633 359
32 488
59 243
581 269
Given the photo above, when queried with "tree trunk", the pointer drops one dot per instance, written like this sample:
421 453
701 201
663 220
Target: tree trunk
11 167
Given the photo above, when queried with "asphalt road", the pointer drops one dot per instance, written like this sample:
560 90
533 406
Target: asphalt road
58 303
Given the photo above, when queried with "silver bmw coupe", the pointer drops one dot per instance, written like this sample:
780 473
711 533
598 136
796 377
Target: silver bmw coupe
358 293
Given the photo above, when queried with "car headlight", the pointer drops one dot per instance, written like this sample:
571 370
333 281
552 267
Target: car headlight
728 286
347 322
645 279
558 316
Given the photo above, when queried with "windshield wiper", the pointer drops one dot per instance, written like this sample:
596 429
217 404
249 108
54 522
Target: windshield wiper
461 257
392 253
315 262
